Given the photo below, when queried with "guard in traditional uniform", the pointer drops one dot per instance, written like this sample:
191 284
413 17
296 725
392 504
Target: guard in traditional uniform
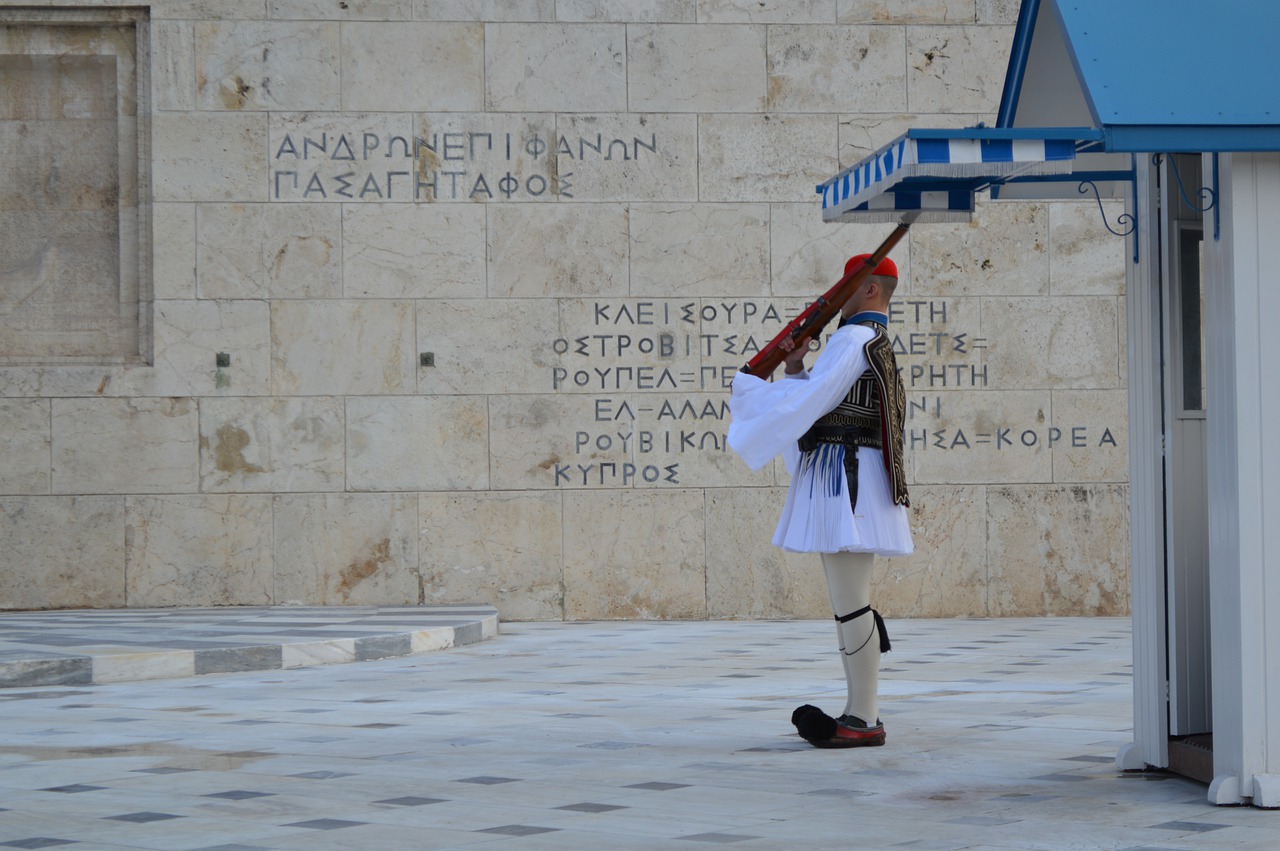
839 427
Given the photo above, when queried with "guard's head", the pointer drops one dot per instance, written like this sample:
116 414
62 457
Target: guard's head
884 277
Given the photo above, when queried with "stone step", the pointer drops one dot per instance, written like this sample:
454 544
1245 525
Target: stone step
91 646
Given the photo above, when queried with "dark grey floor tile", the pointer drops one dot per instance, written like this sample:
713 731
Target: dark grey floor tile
239 795
325 824
1188 826
518 830
322 775
411 801
588 807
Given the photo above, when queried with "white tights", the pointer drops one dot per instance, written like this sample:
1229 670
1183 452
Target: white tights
849 585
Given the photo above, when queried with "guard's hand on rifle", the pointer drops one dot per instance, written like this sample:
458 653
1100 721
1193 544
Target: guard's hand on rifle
795 355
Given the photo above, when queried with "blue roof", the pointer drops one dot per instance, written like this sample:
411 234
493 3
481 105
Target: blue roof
1090 84
1156 75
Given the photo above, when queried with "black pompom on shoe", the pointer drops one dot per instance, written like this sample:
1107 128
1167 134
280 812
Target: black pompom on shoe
813 724
803 710
822 731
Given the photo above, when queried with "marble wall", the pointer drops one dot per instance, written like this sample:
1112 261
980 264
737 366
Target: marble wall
480 273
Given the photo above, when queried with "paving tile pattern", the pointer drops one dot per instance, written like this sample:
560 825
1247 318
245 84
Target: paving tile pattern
655 735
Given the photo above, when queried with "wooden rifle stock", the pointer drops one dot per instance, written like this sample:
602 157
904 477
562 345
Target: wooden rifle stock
815 317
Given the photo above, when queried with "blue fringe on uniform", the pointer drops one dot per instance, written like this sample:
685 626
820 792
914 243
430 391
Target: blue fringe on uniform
824 465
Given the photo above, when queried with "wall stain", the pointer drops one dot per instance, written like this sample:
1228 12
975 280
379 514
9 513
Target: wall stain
228 454
426 160
235 97
776 89
931 55
358 571
308 249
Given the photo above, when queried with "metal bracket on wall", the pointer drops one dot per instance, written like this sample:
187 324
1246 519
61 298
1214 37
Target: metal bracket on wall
1127 221
1122 219
1206 193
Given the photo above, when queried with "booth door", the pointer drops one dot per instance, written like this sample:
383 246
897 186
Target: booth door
1185 471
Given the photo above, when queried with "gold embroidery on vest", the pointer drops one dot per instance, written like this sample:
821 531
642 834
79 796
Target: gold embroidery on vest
893 411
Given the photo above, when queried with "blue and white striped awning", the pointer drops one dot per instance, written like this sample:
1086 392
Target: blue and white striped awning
934 174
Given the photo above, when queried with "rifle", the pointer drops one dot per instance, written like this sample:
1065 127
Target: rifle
815 317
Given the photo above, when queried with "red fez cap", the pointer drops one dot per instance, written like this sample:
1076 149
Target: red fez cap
887 267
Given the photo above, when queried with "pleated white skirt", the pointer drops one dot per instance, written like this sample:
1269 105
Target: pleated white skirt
816 517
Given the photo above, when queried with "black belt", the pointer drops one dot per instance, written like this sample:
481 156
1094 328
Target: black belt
849 435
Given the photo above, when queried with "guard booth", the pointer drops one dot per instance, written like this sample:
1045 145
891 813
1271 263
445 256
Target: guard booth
1171 106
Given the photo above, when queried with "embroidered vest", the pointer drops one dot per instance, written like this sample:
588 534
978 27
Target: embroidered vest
872 414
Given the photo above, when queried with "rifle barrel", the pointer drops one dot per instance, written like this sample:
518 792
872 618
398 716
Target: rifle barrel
815 317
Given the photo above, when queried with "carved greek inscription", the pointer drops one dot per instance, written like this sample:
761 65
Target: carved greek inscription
659 371
1076 437
368 165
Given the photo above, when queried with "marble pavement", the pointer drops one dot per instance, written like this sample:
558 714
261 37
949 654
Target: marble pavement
620 735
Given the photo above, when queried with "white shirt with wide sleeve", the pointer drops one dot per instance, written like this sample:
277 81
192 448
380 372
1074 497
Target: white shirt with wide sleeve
767 420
